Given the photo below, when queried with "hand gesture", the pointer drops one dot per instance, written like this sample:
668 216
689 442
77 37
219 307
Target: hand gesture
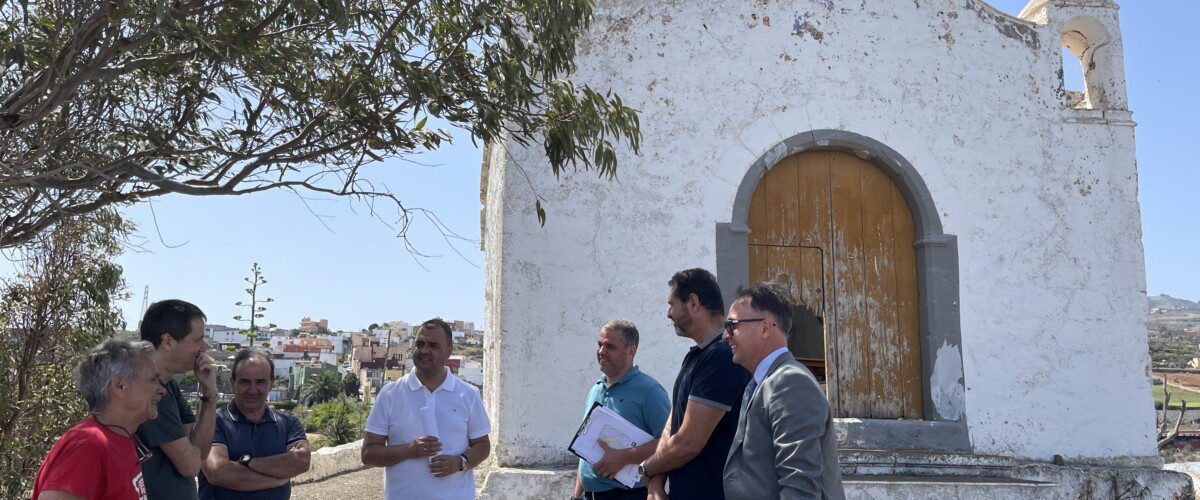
444 465
424 446
206 373
612 462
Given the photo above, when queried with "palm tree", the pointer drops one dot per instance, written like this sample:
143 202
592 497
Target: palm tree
324 386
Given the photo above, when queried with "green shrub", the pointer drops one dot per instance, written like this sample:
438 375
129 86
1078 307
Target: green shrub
340 420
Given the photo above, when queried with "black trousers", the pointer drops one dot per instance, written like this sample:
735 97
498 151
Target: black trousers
617 494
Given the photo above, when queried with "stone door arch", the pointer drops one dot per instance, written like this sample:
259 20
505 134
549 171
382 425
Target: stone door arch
837 232
941 424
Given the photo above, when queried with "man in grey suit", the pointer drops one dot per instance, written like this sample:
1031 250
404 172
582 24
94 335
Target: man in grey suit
784 446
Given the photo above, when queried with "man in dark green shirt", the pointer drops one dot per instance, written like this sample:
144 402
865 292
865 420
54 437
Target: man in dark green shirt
178 439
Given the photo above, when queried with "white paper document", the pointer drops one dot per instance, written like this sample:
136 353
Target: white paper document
616 432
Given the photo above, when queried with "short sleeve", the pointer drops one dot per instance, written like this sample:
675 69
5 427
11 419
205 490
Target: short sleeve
718 382
655 409
592 396
168 426
478 424
295 431
377 419
186 415
219 433
75 470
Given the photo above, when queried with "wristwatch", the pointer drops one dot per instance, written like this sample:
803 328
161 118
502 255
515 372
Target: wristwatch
245 461
641 473
205 399
465 462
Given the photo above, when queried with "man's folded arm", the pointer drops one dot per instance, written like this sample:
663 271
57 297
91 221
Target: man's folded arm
286 465
184 456
220 471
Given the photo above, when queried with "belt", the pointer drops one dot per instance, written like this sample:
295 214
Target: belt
616 494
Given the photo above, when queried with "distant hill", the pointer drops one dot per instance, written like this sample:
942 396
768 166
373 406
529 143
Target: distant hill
1165 301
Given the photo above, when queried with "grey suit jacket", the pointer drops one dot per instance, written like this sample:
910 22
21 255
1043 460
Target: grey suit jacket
785 445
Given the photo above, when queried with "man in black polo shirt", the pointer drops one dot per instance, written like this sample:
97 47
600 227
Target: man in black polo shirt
690 459
256 449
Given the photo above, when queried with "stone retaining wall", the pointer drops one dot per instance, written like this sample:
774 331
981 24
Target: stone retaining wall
332 461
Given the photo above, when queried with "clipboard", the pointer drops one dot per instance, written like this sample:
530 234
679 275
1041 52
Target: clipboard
603 424
582 426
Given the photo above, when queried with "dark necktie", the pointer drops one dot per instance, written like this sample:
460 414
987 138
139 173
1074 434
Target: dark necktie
747 396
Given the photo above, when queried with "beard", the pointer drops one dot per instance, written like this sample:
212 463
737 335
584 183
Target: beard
683 324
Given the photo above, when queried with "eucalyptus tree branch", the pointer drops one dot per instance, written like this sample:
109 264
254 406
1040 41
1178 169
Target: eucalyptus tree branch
106 103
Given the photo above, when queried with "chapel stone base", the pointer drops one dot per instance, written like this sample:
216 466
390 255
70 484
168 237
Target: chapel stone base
870 474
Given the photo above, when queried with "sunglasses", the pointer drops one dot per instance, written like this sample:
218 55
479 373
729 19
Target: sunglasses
731 324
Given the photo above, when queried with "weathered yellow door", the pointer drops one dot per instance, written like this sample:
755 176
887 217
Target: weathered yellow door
837 232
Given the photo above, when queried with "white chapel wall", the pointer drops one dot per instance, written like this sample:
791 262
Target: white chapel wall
1044 208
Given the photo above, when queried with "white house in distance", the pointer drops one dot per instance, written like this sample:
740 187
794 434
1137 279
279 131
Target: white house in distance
965 228
221 334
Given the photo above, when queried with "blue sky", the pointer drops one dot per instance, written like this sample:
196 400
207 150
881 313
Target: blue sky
348 267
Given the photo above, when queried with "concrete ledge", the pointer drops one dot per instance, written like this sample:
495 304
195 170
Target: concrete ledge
332 461
877 474
855 433
1192 469
503 483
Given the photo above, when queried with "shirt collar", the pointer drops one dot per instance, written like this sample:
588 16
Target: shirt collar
633 372
710 340
236 413
760 372
414 384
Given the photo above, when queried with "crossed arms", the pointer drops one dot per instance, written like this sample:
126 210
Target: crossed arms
262 473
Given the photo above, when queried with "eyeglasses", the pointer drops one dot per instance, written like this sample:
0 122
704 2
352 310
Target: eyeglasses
731 324
143 453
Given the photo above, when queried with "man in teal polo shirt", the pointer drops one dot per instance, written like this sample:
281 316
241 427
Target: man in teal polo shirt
634 396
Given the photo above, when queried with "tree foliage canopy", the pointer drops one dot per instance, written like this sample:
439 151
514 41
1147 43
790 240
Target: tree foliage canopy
350 385
110 102
323 386
61 302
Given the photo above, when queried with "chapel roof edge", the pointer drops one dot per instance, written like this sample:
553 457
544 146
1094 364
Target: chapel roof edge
1034 6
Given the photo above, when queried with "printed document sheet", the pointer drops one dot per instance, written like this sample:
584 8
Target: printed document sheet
604 425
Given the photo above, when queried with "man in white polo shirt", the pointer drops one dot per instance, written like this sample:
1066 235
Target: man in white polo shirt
428 428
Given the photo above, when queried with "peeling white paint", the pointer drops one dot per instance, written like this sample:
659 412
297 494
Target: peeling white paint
1042 199
947 394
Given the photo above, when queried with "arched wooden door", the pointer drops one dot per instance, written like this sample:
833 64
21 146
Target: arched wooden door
837 231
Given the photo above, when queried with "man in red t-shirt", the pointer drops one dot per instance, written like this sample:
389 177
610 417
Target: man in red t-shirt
99 458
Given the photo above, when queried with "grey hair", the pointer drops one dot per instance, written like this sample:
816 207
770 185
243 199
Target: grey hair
247 353
112 358
629 332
